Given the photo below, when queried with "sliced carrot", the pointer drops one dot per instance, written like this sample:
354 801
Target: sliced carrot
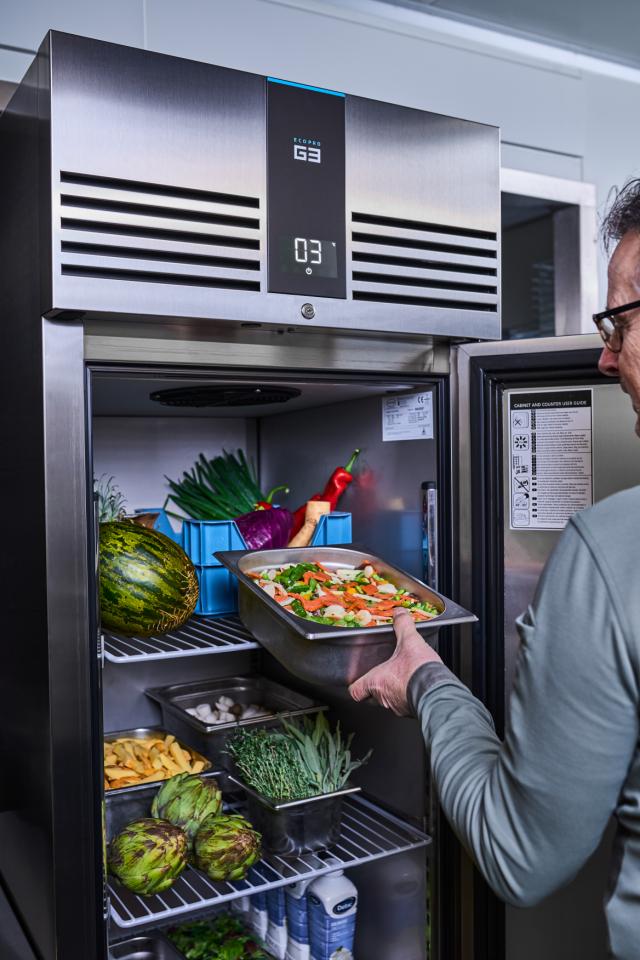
312 605
370 588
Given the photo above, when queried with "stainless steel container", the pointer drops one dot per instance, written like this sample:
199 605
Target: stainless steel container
144 733
294 827
145 948
211 738
317 652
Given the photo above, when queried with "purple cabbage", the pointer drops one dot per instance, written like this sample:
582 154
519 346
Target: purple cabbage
266 529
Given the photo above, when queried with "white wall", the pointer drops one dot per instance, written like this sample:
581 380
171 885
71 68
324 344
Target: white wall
141 451
560 113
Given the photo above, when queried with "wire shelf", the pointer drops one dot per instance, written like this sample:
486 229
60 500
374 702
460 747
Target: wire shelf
198 636
368 833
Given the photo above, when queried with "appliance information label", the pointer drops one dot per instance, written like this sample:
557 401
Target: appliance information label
408 417
550 446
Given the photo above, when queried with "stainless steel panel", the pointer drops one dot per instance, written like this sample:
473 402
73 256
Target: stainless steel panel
466 243
281 349
161 131
421 166
417 290
419 253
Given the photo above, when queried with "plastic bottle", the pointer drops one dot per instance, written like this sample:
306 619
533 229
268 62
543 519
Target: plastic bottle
276 939
257 918
332 906
240 906
297 921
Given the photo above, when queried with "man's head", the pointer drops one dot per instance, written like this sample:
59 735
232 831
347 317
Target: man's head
622 228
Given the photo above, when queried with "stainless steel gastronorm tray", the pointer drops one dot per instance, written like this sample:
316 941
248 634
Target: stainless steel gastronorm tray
318 652
145 948
143 733
175 700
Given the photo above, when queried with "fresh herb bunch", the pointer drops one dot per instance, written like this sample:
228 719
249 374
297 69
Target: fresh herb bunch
224 938
223 488
303 760
270 763
111 500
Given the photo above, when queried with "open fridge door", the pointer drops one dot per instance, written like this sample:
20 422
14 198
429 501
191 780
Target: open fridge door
541 434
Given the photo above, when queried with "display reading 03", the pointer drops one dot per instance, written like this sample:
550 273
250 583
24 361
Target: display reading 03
308 256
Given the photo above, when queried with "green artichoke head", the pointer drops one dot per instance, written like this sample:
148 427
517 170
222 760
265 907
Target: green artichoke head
186 800
226 846
148 855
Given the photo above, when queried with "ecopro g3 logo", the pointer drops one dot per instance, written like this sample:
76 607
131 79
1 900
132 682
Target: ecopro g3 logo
307 150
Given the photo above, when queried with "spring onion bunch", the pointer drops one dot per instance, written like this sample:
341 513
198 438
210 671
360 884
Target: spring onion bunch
223 488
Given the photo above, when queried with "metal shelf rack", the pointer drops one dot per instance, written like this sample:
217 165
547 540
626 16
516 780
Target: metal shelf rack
368 833
200 635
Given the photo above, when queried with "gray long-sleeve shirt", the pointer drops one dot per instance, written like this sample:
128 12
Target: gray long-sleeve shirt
533 808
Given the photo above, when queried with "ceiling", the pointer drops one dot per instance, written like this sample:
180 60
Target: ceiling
608 30
127 395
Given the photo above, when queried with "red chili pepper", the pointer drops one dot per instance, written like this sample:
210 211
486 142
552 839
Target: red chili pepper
266 504
336 485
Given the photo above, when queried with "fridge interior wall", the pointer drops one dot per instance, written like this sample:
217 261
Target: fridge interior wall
139 442
569 923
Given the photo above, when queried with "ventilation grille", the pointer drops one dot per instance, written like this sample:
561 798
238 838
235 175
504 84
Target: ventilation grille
128 230
423 264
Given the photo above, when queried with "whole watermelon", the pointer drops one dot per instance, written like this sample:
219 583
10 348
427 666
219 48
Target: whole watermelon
148 585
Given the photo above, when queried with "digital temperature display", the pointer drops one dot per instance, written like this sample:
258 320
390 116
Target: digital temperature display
306 229
308 256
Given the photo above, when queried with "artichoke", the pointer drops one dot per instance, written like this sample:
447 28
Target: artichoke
226 846
186 800
148 855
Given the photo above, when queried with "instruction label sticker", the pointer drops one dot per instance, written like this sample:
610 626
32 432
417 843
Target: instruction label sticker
408 417
550 444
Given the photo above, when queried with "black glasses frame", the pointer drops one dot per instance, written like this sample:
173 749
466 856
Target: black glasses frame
607 335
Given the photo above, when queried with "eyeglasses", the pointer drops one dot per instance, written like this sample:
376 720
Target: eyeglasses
610 330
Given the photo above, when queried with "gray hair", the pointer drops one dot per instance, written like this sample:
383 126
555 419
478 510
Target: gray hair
623 214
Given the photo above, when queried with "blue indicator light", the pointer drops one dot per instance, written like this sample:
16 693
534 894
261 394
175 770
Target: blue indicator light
305 86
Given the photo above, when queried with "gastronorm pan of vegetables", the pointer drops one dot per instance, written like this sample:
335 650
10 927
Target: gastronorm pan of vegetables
326 613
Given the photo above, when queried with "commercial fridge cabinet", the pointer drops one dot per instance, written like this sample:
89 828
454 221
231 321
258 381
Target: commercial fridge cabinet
149 242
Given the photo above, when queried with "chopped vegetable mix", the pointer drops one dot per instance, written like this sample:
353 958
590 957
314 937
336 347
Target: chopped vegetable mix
346 597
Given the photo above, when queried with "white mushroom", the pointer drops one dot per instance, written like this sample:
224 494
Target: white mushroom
335 611
269 589
364 618
387 588
368 570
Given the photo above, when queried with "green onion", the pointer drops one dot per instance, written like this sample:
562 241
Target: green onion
223 488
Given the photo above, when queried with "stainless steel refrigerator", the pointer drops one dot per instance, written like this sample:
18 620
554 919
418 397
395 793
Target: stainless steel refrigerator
177 225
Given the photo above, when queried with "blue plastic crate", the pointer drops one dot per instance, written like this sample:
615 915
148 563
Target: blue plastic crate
218 591
333 528
218 587
201 539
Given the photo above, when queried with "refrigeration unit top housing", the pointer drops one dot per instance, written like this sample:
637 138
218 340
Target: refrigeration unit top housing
171 188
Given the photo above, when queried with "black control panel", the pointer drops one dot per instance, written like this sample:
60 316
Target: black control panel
305 190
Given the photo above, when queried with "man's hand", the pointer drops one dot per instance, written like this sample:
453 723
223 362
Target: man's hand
388 682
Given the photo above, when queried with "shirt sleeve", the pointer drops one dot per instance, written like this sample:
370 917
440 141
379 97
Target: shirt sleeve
532 809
